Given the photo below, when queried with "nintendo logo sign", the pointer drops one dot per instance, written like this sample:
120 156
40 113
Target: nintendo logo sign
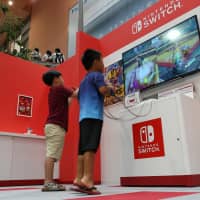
148 139
158 14
137 27
147 134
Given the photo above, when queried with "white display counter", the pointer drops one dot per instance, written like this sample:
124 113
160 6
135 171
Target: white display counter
22 159
178 163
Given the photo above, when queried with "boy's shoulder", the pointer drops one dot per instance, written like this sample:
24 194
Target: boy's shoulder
94 74
60 89
91 76
57 88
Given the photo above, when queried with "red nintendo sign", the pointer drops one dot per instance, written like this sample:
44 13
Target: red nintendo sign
150 19
148 139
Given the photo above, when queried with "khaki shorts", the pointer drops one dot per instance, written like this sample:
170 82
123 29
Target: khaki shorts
55 137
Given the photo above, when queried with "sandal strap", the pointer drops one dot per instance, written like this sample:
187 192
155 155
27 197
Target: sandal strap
90 189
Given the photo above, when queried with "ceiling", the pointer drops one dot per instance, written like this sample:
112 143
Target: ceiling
21 8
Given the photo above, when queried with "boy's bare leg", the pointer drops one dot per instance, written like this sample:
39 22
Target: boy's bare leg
49 169
49 184
89 159
80 170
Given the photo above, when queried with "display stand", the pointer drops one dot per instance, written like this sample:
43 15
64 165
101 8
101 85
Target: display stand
174 131
23 157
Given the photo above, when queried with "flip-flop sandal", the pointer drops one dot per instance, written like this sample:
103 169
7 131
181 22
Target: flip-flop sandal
91 191
77 187
85 189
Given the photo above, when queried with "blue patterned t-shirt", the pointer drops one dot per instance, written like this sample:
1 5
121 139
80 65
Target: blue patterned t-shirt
90 100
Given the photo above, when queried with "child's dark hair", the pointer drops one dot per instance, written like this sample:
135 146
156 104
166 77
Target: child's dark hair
57 50
48 52
36 49
49 76
89 57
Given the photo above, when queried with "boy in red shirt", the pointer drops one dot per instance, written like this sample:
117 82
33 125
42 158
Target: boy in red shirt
56 125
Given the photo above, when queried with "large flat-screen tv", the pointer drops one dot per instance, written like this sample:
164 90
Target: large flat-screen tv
169 55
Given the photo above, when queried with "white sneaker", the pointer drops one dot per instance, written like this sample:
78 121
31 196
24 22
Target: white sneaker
51 187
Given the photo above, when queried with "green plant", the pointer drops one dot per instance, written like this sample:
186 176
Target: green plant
12 26
3 8
24 52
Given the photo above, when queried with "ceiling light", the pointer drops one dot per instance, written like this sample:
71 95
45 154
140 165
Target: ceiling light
10 2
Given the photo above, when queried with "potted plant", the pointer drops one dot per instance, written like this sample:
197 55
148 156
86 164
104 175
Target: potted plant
12 27
24 52
3 8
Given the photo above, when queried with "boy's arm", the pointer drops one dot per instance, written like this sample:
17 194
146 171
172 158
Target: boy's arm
106 90
101 85
75 92
69 92
70 100
74 95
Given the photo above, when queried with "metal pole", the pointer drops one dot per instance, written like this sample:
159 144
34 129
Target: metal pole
80 16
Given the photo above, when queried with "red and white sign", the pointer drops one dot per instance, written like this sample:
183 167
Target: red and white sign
159 13
149 20
148 139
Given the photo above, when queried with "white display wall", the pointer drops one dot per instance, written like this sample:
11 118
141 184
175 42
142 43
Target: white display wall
116 56
110 154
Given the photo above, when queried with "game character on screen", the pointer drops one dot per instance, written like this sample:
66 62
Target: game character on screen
56 125
180 58
91 99
144 75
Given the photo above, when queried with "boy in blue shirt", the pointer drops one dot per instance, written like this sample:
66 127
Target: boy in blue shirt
91 99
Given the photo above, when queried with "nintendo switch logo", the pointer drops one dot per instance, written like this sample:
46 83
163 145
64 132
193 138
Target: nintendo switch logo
148 139
137 27
166 9
147 134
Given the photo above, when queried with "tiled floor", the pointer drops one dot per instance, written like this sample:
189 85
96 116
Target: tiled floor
34 193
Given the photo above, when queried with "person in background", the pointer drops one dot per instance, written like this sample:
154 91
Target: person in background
56 125
36 55
15 52
58 57
47 57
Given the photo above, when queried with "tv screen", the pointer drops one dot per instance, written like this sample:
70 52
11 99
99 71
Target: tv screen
169 55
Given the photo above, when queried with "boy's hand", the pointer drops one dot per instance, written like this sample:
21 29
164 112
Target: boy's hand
69 100
74 95
106 90
75 92
74 88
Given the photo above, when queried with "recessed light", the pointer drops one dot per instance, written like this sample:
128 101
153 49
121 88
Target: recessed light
10 2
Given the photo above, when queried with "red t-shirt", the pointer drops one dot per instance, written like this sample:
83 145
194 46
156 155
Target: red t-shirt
58 106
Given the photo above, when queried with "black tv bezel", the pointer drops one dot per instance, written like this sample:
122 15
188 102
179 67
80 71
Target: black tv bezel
180 76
